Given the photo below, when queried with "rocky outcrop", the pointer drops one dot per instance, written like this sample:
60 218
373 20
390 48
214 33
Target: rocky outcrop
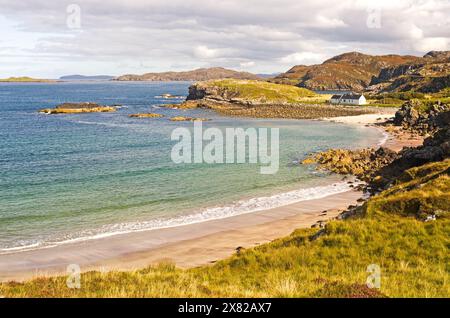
361 163
422 118
210 91
382 168
202 74
434 149
76 108
182 118
146 115
388 73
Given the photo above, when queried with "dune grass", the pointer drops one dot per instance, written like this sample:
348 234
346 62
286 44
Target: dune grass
413 256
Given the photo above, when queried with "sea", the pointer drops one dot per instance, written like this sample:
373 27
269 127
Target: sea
76 177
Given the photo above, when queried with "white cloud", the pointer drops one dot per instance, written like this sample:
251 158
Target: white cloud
247 64
263 35
203 52
303 58
430 44
415 32
325 22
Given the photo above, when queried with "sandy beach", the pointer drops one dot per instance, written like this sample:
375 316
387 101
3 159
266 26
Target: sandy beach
395 138
188 245
366 119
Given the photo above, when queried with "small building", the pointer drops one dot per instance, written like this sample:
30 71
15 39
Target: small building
348 99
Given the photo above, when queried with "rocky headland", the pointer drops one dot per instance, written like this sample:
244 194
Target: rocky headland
247 98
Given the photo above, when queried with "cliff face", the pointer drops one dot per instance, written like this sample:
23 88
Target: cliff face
428 74
348 71
202 74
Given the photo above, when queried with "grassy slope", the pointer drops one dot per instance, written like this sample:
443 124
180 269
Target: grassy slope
268 92
413 256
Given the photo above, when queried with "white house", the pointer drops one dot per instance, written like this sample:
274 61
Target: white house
348 99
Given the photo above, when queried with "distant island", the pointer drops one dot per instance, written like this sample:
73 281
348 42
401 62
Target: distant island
201 74
26 79
77 108
86 77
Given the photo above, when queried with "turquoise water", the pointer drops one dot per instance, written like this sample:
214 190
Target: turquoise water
66 177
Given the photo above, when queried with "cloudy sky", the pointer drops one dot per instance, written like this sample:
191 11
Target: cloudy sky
47 38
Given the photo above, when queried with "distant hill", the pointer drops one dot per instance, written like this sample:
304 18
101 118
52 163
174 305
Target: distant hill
201 74
428 74
86 78
348 71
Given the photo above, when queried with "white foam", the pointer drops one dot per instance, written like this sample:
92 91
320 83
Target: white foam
213 213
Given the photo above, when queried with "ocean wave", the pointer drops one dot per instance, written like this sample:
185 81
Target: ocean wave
208 214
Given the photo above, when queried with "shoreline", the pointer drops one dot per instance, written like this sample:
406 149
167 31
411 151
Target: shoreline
395 139
241 207
186 246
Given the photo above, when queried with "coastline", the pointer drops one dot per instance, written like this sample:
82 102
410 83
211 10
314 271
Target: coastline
186 246
394 139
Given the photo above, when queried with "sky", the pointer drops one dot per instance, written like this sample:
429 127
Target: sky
48 39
